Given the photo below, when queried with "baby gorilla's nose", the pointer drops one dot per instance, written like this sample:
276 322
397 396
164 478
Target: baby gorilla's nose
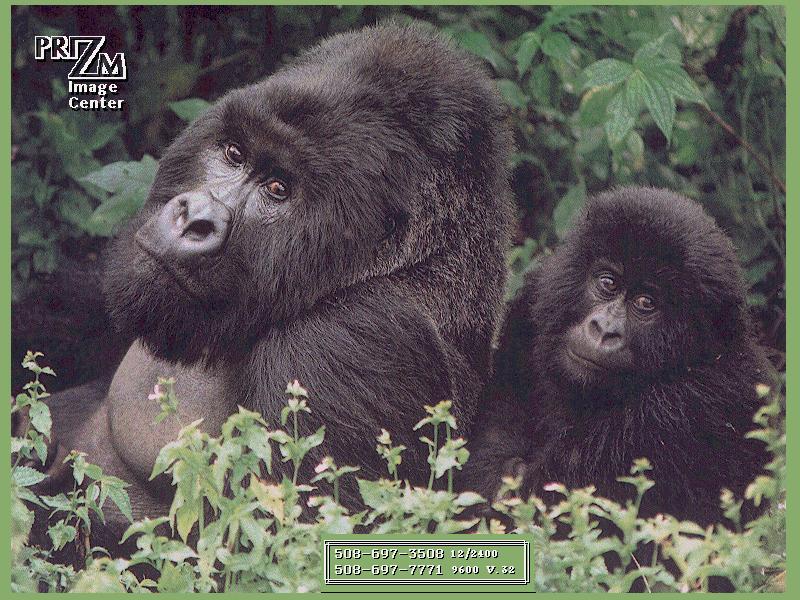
189 227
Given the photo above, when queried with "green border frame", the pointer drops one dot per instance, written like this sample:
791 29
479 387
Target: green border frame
792 271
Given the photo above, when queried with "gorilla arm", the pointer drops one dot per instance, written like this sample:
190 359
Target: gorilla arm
370 358
498 447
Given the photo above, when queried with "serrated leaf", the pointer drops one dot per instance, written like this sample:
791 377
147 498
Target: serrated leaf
512 93
661 105
635 93
569 204
529 43
677 82
121 499
39 415
608 71
26 476
191 108
620 120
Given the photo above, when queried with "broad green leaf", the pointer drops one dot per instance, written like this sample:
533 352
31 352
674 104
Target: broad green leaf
635 93
658 50
185 518
191 108
566 208
120 498
477 43
557 45
74 207
118 176
61 534
660 104
529 43
129 184
677 82
594 105
102 135
512 93
608 71
39 415
620 120
26 476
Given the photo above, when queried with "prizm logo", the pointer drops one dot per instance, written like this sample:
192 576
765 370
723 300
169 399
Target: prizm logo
90 63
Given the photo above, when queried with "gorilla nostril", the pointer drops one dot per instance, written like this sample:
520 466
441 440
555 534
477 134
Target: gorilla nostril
199 230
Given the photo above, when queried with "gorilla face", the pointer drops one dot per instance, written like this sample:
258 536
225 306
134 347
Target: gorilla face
645 286
281 194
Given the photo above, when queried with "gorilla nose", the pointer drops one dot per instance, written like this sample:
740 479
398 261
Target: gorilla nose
607 335
190 226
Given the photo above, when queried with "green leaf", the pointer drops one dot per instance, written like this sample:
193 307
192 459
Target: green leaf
74 207
26 476
594 106
119 176
175 579
569 204
61 534
529 43
635 93
512 93
661 105
557 45
658 50
620 120
102 135
129 184
119 497
478 44
188 110
185 518
39 415
677 82
608 71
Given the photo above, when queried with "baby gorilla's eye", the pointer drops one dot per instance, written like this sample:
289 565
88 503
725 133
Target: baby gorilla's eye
277 188
644 303
607 282
234 154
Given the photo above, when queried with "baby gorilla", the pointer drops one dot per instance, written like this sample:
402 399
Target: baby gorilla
342 223
631 340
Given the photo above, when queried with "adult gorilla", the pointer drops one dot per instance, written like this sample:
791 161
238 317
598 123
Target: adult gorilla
631 340
342 223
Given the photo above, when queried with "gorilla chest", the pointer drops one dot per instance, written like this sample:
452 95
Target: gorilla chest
135 435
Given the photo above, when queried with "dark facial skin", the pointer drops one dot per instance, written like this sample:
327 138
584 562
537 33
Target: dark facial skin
598 349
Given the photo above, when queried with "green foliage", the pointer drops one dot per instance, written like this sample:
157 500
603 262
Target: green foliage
233 526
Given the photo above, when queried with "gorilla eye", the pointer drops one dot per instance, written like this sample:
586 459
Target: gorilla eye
644 303
607 283
234 154
277 189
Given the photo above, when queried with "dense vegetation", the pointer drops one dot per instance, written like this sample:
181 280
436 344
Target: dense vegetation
691 98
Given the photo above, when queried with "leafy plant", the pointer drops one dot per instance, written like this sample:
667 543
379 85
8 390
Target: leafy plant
233 526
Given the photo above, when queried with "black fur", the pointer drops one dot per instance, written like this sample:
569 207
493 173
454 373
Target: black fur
688 401
378 285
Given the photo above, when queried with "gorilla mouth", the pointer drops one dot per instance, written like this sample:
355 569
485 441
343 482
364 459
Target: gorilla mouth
588 362
179 280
